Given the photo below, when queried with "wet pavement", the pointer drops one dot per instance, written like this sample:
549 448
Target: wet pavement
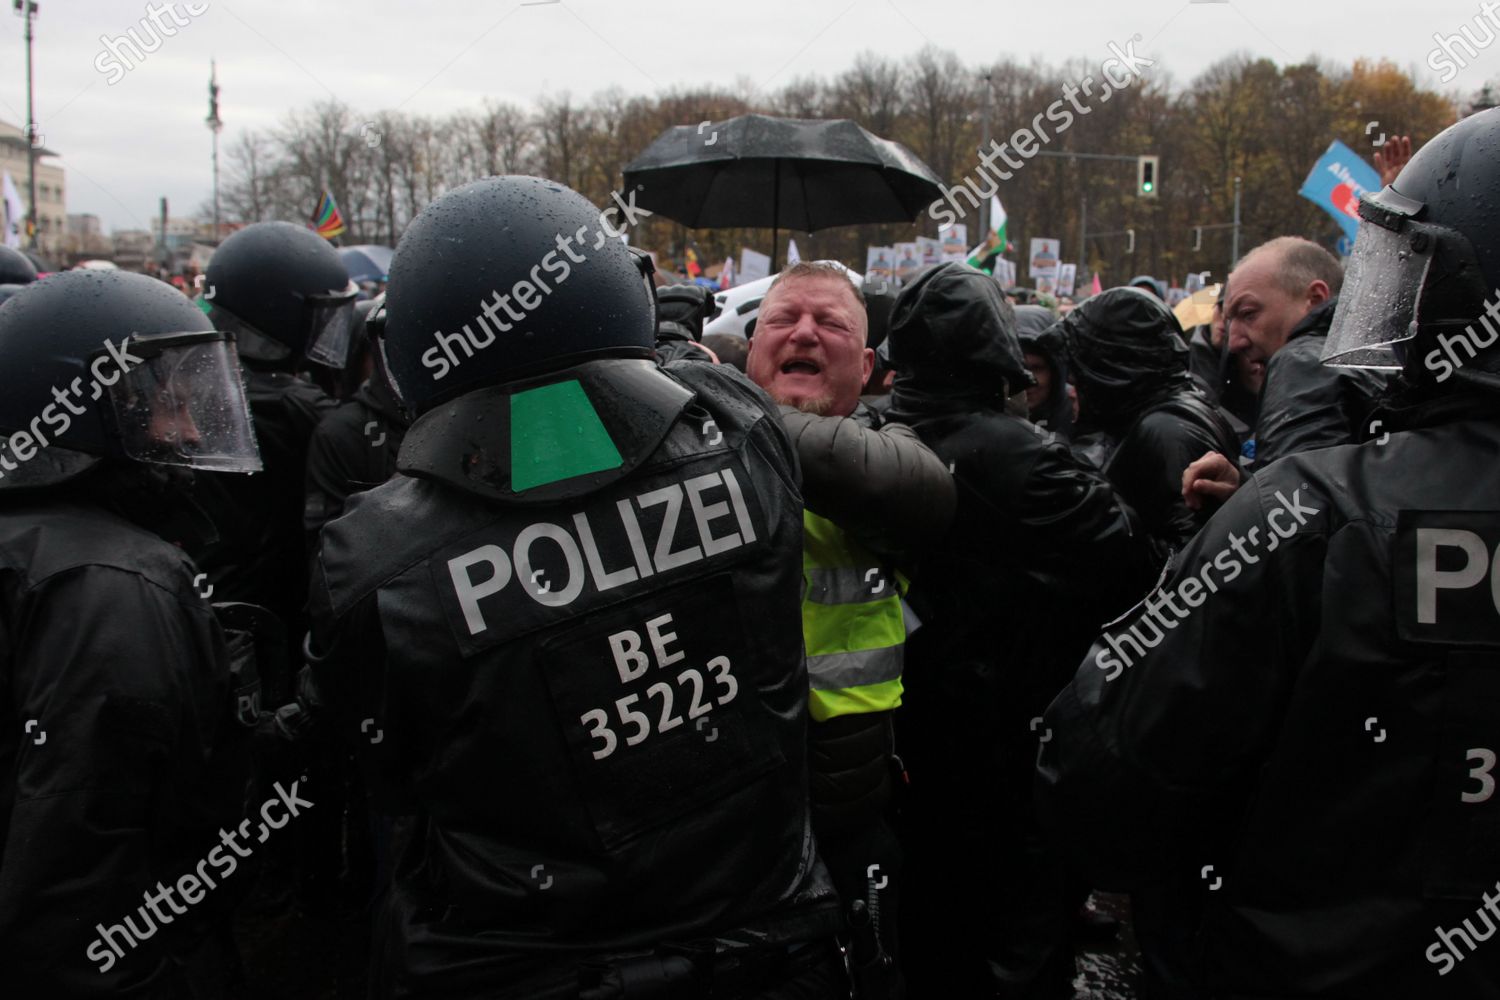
1110 970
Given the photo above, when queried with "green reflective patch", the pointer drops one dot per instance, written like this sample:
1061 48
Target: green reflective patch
556 434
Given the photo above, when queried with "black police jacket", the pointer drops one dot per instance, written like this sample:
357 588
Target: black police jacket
1305 404
352 449
1294 757
120 758
591 693
259 556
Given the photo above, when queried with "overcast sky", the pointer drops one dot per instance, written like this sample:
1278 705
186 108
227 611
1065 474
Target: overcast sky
125 144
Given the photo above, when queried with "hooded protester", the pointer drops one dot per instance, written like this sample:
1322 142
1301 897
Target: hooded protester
1048 404
1005 597
1130 367
1147 283
1293 769
880 296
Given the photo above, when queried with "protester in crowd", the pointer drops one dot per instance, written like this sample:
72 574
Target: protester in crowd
874 495
1049 403
1281 301
1292 764
1225 378
123 756
1147 283
729 349
1129 365
880 296
1007 598
587 574
1391 157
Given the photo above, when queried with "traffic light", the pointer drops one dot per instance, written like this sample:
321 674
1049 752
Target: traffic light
1145 175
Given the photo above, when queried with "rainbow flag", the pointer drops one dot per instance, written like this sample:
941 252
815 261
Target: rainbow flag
326 218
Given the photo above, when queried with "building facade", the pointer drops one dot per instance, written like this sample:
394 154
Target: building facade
51 187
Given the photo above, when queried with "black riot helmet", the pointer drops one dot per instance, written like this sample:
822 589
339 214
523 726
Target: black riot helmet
112 365
15 267
520 329
1426 262
284 293
506 278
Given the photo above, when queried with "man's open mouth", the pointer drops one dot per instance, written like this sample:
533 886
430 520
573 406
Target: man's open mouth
800 366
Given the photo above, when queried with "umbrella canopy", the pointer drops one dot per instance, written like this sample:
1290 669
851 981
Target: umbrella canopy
367 262
1198 308
794 173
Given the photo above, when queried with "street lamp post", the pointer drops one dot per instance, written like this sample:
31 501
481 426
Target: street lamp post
27 9
984 144
215 126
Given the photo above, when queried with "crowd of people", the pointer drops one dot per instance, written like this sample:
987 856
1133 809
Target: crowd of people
844 659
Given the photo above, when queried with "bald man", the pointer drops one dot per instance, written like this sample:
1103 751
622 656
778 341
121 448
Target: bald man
1279 307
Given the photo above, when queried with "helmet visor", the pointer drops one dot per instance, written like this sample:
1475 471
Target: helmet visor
185 404
332 327
251 342
1378 304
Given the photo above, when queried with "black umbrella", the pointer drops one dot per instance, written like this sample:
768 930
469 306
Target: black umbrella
755 170
366 262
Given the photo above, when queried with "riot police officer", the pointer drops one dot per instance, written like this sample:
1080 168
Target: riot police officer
285 295
1289 749
567 635
354 448
120 756
16 271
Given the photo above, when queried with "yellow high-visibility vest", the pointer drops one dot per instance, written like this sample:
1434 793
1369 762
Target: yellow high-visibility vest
852 624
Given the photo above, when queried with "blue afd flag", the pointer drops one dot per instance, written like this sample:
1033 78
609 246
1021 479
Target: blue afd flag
1336 182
